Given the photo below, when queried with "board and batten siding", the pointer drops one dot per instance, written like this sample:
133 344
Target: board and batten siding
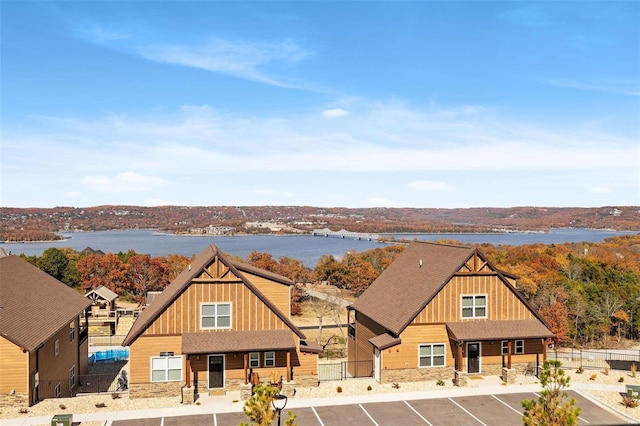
365 330
248 312
502 303
279 294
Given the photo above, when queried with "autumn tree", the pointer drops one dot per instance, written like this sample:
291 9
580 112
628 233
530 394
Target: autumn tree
551 408
107 270
146 274
174 264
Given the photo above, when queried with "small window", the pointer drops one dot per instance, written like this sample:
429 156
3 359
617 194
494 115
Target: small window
519 348
474 306
72 332
254 360
56 347
431 355
505 347
57 391
72 377
269 359
166 369
215 315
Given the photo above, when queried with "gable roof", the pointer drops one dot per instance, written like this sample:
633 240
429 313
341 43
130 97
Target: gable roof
34 306
183 280
405 288
103 292
499 330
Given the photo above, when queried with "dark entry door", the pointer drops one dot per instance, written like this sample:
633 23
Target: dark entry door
216 371
473 357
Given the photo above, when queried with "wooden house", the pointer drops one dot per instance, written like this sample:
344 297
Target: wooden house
214 328
43 342
103 302
440 312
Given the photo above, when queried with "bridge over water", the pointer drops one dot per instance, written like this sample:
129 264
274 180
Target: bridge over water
326 232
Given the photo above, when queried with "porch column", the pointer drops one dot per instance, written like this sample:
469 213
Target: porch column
188 371
288 365
509 354
246 367
460 356
544 351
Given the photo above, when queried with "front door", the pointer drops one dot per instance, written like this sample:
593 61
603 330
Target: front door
473 357
216 371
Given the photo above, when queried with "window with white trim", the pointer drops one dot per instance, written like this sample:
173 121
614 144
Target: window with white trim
72 377
269 359
215 315
519 347
431 355
474 306
166 368
72 332
254 359
56 347
57 391
505 347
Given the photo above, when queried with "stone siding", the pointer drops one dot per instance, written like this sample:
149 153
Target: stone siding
416 375
154 390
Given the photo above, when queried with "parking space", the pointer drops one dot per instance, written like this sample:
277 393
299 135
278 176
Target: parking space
488 410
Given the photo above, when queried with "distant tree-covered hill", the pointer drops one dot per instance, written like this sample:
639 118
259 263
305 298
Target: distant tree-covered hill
41 223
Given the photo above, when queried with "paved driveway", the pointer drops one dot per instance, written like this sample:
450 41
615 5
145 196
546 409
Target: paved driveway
488 410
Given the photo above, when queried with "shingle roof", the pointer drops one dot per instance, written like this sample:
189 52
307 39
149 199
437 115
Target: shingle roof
183 280
384 341
33 305
103 292
403 289
498 330
237 341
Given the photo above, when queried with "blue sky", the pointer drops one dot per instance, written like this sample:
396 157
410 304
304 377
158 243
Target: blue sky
354 104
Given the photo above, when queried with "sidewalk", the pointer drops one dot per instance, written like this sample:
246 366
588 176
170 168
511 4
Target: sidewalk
226 404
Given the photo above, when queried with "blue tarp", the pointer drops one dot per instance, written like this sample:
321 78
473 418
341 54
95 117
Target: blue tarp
109 355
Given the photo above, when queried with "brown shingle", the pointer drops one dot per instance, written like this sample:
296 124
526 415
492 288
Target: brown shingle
384 341
33 305
405 287
237 341
498 330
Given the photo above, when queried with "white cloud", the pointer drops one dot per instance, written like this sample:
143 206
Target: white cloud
600 189
430 185
239 59
630 88
335 112
123 182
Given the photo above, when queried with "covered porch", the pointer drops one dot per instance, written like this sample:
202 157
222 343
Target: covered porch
505 348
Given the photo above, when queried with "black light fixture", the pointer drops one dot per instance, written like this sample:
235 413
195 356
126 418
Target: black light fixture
279 401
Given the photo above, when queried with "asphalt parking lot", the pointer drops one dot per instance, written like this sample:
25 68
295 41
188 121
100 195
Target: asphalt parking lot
488 410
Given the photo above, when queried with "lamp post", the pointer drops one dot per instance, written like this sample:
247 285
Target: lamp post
279 401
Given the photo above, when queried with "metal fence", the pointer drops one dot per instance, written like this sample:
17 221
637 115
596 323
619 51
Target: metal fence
596 359
344 370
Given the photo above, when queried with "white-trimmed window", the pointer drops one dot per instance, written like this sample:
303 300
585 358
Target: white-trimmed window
254 359
72 332
431 355
519 347
72 377
166 368
269 359
56 347
505 347
57 391
215 315
474 306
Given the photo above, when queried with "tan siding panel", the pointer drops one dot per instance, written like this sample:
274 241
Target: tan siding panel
14 368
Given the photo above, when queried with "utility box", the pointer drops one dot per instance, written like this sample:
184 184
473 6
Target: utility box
62 420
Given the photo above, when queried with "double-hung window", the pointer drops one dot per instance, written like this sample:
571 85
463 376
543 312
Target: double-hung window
517 345
215 315
254 359
166 368
431 355
519 348
269 359
72 332
474 306
72 377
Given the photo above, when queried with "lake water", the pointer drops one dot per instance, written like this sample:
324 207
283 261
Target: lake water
306 248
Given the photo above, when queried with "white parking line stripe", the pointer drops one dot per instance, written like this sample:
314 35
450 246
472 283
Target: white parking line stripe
465 410
317 416
419 415
371 418
162 421
507 405
215 420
